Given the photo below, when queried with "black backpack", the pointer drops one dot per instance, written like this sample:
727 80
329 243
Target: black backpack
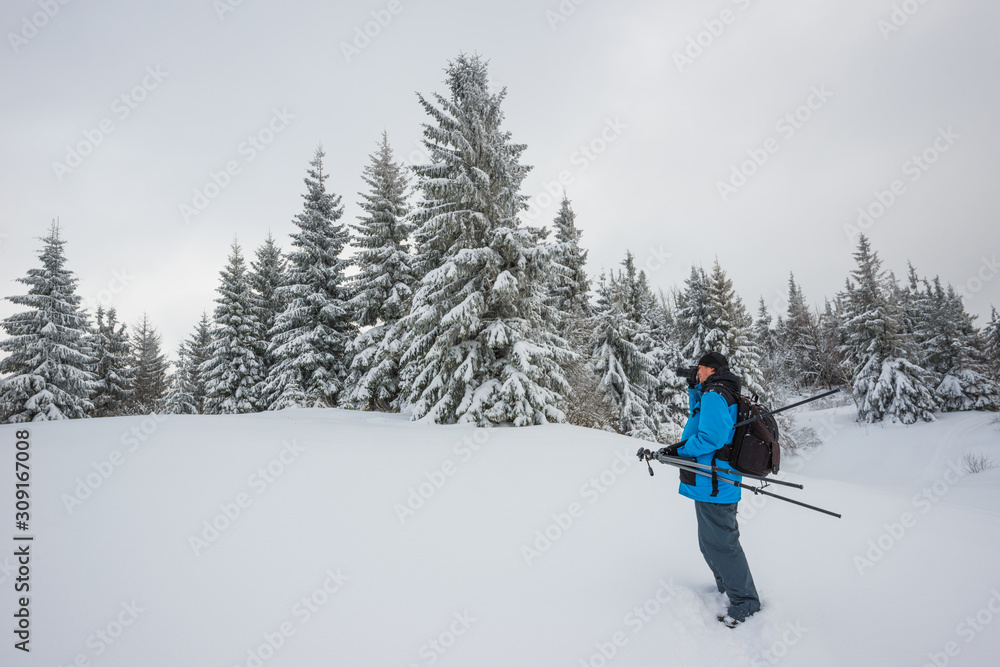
755 449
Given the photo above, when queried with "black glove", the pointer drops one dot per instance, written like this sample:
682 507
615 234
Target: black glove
669 451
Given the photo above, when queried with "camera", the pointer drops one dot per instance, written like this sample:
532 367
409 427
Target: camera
689 373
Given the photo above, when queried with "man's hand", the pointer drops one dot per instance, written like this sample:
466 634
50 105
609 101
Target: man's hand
669 451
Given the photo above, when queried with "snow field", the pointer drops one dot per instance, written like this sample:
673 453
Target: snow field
317 537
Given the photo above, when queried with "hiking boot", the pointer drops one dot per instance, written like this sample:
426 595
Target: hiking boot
728 621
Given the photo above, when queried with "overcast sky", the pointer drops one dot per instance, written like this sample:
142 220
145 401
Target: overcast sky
751 131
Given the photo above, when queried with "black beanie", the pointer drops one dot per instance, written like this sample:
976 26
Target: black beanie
713 360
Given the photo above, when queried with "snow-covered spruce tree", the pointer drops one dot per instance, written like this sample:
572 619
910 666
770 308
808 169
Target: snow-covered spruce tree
310 337
47 374
571 286
831 362
694 310
800 338
956 356
149 367
730 332
773 358
480 341
383 287
233 368
990 336
628 375
266 276
569 294
877 353
669 402
187 384
112 367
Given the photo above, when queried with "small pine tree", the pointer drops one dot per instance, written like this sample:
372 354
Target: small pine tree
233 369
383 287
48 371
112 369
149 367
310 337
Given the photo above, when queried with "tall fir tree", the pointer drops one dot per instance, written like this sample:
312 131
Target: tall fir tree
990 336
187 391
310 338
571 286
569 294
773 360
730 332
47 374
382 290
694 309
887 383
149 367
800 338
112 368
830 360
267 276
234 368
480 341
628 375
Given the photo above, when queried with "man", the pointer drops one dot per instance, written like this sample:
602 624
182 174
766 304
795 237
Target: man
713 397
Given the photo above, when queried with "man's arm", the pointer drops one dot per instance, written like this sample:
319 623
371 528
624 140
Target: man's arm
714 426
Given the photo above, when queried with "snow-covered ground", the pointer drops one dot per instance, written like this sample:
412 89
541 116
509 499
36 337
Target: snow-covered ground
329 537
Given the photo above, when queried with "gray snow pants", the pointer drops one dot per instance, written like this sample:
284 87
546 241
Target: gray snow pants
719 539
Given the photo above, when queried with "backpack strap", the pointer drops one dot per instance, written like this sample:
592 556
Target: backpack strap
725 450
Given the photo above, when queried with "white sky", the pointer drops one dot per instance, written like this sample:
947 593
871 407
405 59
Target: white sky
609 68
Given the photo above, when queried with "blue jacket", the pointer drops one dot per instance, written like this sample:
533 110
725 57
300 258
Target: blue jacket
710 427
